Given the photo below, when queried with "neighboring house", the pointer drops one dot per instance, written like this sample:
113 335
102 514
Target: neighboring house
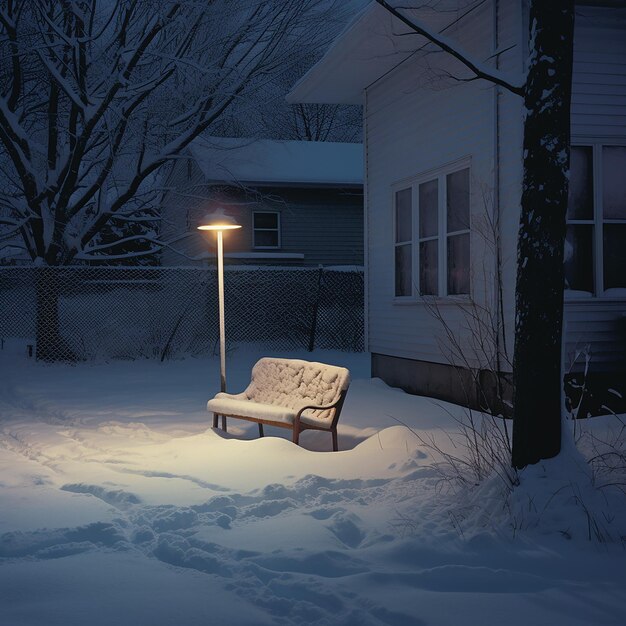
443 172
299 202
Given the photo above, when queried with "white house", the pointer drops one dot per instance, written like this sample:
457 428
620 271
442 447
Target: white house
443 171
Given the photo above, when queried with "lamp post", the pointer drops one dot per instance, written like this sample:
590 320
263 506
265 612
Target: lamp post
218 222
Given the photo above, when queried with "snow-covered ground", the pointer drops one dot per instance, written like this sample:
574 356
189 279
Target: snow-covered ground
120 505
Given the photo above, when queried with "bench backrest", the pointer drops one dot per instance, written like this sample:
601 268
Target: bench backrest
293 382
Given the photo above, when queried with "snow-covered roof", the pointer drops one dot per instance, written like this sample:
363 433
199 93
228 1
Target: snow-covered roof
372 44
280 162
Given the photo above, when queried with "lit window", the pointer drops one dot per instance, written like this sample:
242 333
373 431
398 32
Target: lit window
441 230
266 228
595 242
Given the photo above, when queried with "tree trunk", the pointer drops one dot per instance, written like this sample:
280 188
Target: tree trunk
51 346
537 373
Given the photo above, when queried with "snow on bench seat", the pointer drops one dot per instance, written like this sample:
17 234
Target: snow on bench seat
291 393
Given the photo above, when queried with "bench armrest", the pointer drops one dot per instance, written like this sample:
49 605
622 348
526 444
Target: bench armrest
318 407
231 396
337 406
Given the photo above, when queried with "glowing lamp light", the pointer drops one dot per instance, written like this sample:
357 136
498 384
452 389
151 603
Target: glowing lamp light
218 222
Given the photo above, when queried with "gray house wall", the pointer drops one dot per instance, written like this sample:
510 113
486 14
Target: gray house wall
319 224
324 224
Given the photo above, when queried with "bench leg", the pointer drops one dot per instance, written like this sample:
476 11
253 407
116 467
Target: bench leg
335 446
260 430
224 423
296 435
214 420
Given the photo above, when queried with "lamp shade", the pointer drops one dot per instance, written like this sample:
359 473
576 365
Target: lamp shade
218 220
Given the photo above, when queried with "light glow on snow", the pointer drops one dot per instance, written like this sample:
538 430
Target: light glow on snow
120 505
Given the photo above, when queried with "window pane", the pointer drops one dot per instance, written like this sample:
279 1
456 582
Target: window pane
403 216
266 220
428 268
614 182
458 264
266 239
404 278
457 186
614 255
578 258
580 202
428 198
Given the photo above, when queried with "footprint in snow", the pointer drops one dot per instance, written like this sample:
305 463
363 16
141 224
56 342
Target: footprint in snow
345 527
115 497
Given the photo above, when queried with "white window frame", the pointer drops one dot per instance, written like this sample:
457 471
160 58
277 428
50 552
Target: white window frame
442 235
598 221
398 244
273 230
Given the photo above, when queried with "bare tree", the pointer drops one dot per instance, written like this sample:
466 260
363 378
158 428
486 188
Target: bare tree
309 122
96 97
546 90
273 118
315 122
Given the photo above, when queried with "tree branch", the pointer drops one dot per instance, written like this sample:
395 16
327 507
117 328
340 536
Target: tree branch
449 46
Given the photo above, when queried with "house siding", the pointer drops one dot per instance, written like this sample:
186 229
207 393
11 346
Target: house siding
406 135
319 225
597 329
416 123
599 82
187 185
598 325
412 128
323 224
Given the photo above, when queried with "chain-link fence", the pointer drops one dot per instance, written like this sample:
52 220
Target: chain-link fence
96 313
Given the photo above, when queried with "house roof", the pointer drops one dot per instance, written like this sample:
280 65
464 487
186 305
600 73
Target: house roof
280 162
375 42
371 45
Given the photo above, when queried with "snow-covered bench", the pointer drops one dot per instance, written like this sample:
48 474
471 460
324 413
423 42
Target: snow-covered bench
289 393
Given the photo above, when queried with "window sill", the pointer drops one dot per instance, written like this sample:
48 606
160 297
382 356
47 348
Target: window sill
431 300
271 253
584 297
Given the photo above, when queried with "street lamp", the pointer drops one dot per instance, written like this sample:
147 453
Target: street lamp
218 222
